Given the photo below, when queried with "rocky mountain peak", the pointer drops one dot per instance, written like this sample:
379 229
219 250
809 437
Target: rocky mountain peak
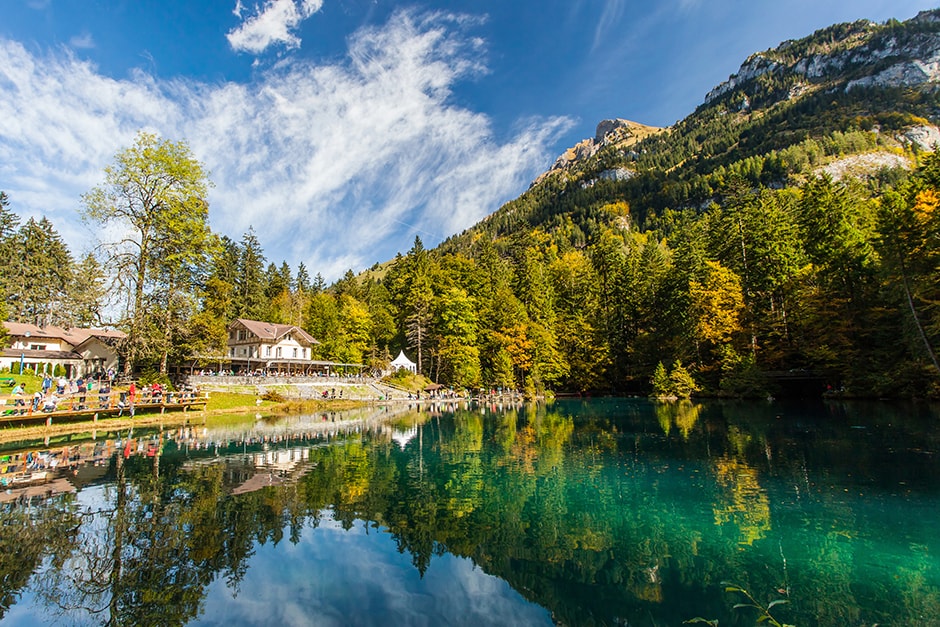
615 132
844 56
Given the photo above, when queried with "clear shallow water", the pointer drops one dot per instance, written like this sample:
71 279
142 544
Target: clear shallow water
600 512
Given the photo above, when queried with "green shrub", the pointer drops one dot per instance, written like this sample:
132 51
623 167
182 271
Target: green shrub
274 396
148 377
678 383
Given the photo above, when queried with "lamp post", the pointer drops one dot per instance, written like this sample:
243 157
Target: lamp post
22 354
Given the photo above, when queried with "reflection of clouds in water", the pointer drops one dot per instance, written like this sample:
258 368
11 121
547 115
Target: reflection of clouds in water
337 577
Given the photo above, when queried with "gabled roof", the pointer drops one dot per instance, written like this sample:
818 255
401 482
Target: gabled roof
21 329
108 340
73 336
274 332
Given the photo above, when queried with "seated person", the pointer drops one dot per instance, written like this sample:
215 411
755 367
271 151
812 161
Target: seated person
104 395
19 397
49 402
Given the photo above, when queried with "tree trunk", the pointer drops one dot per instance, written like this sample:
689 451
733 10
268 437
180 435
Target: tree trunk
917 323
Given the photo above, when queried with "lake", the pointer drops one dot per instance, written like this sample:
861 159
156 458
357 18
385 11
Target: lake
597 512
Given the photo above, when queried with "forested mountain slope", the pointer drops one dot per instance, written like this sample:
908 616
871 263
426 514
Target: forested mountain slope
848 89
777 228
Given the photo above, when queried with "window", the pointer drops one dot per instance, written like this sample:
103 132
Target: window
267 351
305 353
295 353
37 347
278 351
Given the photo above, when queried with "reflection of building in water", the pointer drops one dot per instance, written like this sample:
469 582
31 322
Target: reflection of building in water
273 453
38 472
255 455
44 490
268 468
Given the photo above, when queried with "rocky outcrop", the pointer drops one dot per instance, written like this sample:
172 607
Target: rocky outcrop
905 74
863 166
925 137
870 55
615 132
756 65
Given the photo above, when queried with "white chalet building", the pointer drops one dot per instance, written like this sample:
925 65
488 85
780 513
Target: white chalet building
264 345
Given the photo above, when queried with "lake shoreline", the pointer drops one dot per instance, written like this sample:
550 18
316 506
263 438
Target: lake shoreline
283 408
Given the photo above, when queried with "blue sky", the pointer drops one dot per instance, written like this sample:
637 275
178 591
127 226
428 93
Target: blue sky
340 129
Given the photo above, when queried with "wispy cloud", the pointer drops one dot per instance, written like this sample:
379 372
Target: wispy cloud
335 165
274 23
83 41
607 23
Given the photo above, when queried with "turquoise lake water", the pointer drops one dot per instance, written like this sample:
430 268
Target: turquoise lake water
600 512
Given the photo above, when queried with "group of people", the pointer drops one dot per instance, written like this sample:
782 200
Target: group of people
80 393
52 392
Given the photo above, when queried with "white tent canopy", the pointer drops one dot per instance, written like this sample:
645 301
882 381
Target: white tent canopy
403 362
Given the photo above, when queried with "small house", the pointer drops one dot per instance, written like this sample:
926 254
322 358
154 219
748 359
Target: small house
79 352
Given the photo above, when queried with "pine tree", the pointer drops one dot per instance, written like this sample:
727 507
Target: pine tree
43 277
683 385
662 384
250 299
86 294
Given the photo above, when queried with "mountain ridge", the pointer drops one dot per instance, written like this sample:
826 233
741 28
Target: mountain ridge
845 89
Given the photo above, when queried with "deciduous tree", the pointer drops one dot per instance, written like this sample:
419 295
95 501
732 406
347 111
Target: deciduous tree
154 200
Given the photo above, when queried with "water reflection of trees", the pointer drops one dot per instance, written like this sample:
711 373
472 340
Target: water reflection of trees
595 518
28 532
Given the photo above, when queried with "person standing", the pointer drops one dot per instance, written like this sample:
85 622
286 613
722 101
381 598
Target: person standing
80 386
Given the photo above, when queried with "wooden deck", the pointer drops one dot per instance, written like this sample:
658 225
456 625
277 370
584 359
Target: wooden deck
92 406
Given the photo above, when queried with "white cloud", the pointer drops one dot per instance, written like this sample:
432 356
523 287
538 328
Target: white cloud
273 24
82 41
338 165
360 577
